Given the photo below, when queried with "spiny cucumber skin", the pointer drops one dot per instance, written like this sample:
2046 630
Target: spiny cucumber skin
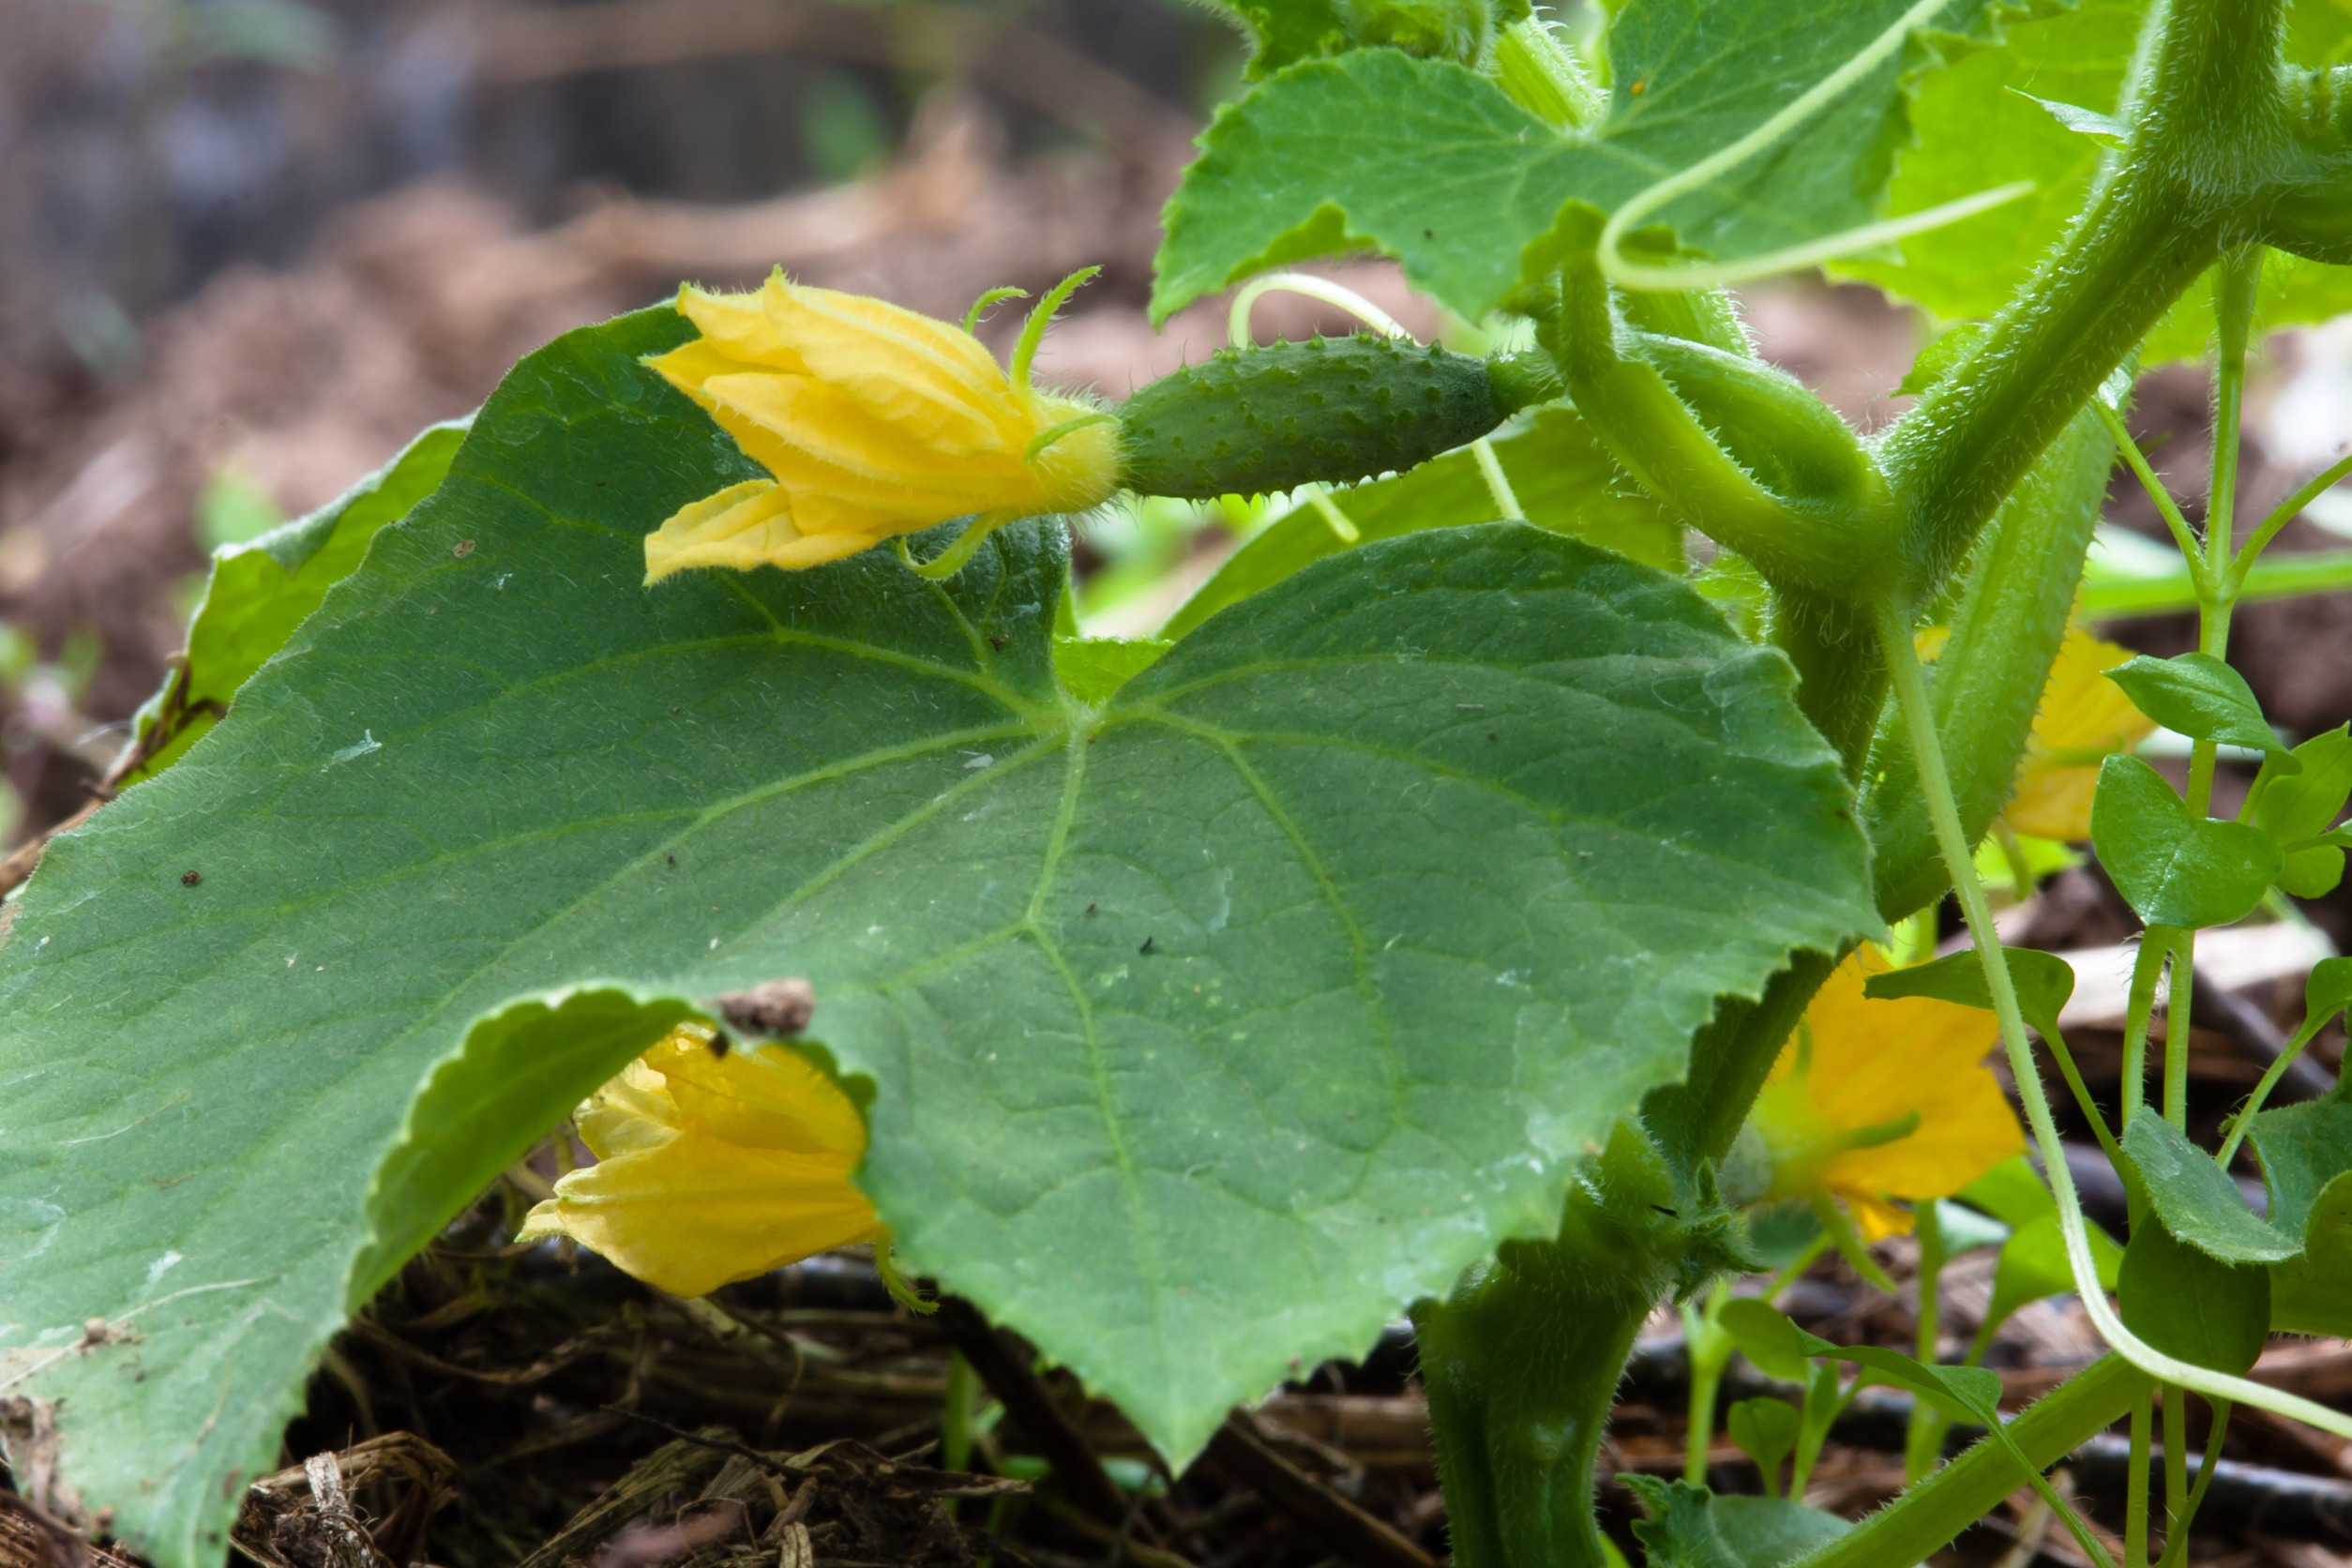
1257 421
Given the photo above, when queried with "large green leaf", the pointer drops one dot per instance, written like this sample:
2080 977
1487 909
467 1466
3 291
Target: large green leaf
1983 123
1563 479
260 591
1430 162
1200 1030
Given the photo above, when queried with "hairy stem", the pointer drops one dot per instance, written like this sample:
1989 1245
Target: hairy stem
1926 1518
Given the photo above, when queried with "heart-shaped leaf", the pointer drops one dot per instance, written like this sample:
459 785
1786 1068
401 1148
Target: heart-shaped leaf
2175 867
1201 1026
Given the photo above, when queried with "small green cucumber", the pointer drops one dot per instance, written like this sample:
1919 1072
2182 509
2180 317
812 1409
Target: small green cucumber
1257 421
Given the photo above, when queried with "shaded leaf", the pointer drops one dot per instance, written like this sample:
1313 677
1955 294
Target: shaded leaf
2190 1305
2298 808
2313 1294
1681 1531
2304 1148
2034 1264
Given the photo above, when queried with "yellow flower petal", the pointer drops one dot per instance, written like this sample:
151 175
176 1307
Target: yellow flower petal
2084 717
735 328
872 421
712 1169
742 526
1869 1065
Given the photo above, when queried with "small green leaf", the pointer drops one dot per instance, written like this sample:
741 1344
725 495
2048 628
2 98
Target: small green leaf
2012 1192
2305 801
2298 807
2176 869
2195 1198
1767 1337
2204 698
261 590
2313 1294
1681 1531
1765 1430
1091 668
2034 1264
2189 1305
2312 871
2043 981
1957 1227
1947 348
1771 1533
1962 1393
2302 1149
2328 988
1562 478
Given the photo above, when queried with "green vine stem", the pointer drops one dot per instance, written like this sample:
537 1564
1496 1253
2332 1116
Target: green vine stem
2206 142
1523 1358
2005 635
1521 1362
1927 1517
2135 1485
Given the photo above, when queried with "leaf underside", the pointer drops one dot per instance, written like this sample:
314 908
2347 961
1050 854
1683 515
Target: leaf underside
1203 1030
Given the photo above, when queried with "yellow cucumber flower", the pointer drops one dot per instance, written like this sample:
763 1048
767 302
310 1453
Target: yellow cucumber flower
713 1165
1878 1099
873 422
2083 719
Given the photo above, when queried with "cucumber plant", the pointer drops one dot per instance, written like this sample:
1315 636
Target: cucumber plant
1427 922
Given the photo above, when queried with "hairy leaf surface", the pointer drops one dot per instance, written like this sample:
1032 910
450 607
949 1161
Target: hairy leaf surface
1430 162
1979 125
1200 1030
